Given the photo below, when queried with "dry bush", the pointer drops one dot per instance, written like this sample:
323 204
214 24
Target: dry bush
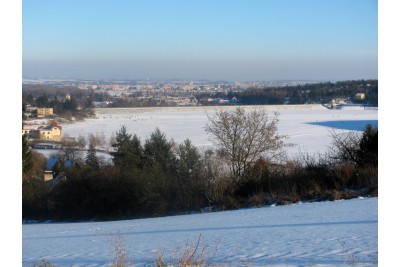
39 163
258 200
335 195
348 257
43 263
121 257
188 254
344 173
367 177
218 189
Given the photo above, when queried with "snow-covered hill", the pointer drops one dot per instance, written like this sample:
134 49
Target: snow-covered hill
339 233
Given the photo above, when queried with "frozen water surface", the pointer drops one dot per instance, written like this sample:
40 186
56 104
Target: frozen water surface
309 127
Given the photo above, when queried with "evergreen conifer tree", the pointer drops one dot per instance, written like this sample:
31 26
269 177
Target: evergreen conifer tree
91 158
27 162
129 150
158 150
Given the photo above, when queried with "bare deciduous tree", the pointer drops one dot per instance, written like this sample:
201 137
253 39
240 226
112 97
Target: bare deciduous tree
112 140
244 137
81 141
97 140
354 147
344 147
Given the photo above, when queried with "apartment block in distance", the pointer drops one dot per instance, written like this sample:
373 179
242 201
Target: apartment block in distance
43 112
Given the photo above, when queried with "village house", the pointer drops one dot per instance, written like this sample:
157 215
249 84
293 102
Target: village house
43 112
50 132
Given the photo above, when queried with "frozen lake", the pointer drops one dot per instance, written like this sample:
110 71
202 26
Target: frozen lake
309 127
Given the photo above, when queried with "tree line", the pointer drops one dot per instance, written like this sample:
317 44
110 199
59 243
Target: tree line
157 177
301 94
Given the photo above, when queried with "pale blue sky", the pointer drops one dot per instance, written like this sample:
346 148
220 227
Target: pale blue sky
201 39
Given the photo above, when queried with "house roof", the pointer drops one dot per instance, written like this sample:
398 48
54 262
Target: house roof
54 124
68 164
50 127
52 162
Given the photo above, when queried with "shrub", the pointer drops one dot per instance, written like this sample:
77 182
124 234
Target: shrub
188 254
43 263
351 147
121 258
35 197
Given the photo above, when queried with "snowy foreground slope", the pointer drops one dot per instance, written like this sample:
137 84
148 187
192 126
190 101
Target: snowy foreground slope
338 233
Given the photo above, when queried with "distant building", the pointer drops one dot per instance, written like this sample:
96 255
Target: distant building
26 129
359 96
43 112
333 104
29 108
102 104
46 146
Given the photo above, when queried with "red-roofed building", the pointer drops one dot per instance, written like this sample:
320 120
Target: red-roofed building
50 132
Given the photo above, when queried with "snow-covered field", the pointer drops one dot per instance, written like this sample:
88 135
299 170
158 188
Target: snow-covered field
339 233
308 126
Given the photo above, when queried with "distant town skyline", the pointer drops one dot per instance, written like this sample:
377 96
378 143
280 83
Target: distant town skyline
214 40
